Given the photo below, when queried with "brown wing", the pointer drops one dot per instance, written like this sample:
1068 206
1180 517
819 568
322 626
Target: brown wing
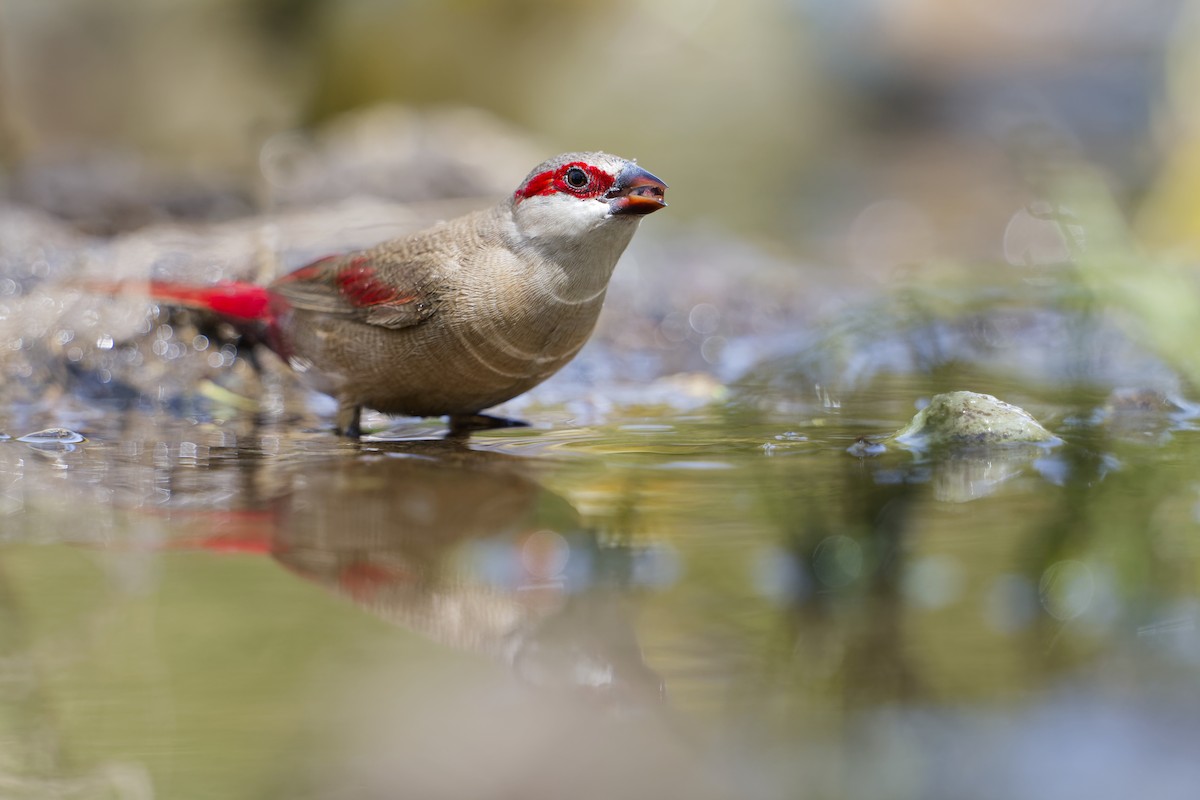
351 286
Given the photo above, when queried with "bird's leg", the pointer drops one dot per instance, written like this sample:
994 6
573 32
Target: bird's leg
348 420
464 424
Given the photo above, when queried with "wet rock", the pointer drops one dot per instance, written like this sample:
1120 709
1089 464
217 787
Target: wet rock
52 437
864 447
1142 401
970 418
1144 415
979 444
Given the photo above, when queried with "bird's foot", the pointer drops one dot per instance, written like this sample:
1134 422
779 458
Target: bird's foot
349 421
465 424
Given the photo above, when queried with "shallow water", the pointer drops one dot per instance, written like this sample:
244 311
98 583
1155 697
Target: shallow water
722 602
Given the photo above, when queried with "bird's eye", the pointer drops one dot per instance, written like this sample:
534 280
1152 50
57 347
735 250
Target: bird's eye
576 178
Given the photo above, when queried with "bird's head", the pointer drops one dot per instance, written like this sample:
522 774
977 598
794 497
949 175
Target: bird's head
573 194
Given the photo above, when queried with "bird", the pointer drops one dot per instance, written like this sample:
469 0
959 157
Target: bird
451 320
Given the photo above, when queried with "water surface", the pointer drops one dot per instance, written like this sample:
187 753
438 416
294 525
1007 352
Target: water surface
712 603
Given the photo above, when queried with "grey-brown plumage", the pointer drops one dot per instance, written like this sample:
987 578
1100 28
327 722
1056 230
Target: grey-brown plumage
460 317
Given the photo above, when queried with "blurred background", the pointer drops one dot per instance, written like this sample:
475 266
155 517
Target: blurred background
865 134
872 201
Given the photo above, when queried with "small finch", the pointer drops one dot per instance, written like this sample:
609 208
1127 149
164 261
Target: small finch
457 318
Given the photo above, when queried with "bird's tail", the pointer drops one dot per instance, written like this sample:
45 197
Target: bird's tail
236 300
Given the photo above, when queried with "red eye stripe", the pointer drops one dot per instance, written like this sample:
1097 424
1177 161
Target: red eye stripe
555 181
542 183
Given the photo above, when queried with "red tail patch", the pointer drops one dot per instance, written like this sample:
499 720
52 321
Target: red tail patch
246 301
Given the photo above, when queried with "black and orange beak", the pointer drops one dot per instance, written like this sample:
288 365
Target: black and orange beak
636 192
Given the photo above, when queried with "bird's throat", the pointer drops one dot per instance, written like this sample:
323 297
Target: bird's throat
577 269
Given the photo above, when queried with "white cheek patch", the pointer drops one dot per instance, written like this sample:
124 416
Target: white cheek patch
555 216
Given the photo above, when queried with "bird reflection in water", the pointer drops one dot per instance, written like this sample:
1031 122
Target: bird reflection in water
467 549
